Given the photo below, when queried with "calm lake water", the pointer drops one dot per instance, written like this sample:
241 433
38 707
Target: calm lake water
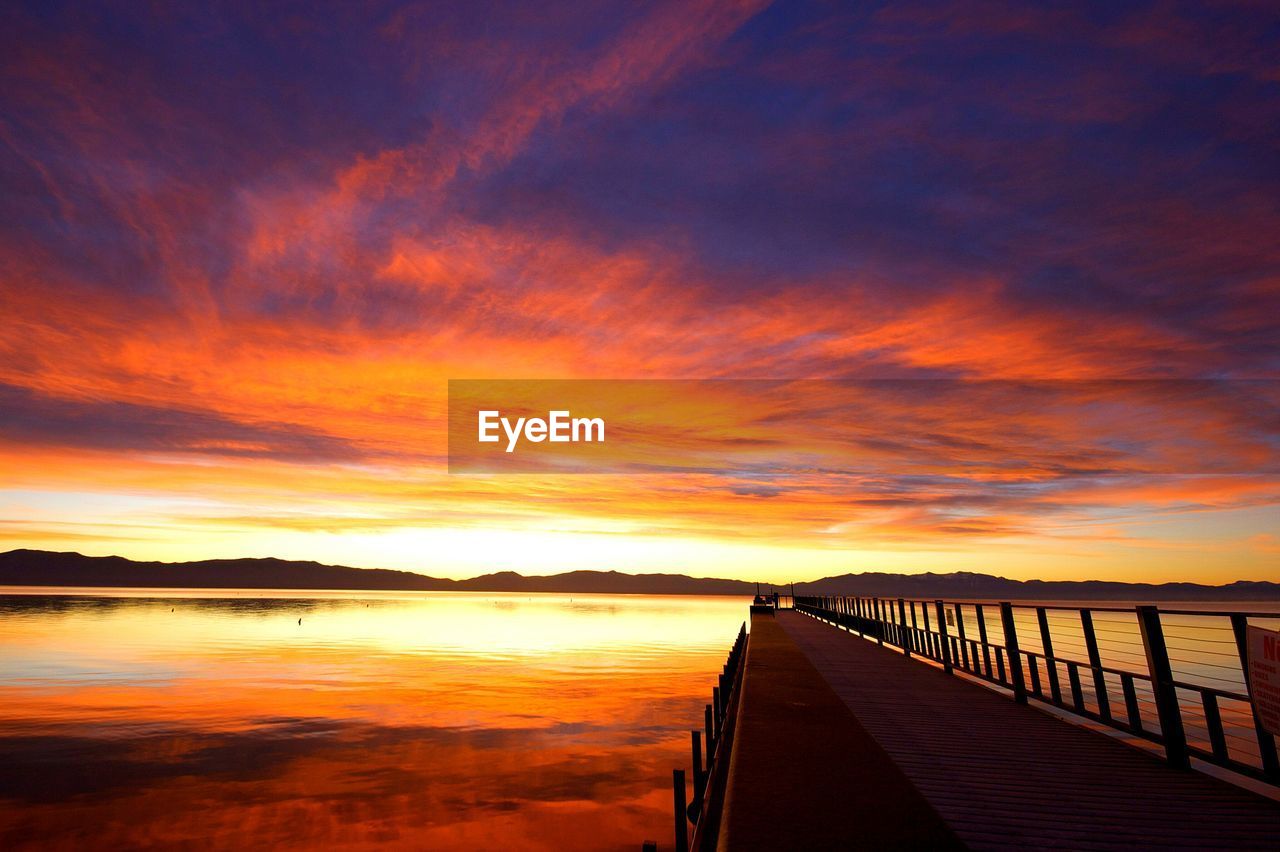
485 721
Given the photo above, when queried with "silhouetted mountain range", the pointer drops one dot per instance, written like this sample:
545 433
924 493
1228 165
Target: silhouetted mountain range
965 585
47 568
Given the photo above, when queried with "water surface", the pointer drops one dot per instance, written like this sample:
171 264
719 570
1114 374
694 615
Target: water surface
177 718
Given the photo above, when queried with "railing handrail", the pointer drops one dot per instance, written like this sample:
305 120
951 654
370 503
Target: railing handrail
1073 606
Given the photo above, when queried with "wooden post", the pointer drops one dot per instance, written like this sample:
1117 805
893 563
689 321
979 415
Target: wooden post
699 780
1171 731
682 830
1131 707
1046 639
982 637
943 638
1095 661
906 637
1011 651
914 632
708 722
1073 678
1213 723
928 633
964 647
1266 742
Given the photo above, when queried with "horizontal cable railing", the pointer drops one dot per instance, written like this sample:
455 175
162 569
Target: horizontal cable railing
1176 678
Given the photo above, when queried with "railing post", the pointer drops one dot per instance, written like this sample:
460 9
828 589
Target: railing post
1213 723
1131 708
944 638
906 637
964 647
699 782
928 633
1046 639
1012 652
1266 741
1171 731
982 637
915 633
682 818
1095 662
710 725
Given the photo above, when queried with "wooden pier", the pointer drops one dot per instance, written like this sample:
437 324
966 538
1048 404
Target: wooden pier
804 773
845 743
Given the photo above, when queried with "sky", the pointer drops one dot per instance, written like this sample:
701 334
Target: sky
242 251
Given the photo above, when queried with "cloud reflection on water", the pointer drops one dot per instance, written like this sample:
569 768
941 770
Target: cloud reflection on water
360 726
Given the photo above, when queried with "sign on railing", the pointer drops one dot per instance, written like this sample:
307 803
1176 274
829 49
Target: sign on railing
1264 677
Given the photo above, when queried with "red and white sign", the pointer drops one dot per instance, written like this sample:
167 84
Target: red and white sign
1264 677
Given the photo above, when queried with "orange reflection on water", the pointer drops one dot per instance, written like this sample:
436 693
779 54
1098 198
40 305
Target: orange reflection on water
441 720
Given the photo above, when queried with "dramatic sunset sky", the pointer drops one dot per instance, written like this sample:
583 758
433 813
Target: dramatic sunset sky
243 249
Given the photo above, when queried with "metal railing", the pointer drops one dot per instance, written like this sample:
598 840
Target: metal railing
1176 678
697 819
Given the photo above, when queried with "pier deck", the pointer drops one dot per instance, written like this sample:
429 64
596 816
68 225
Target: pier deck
804 774
998 774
